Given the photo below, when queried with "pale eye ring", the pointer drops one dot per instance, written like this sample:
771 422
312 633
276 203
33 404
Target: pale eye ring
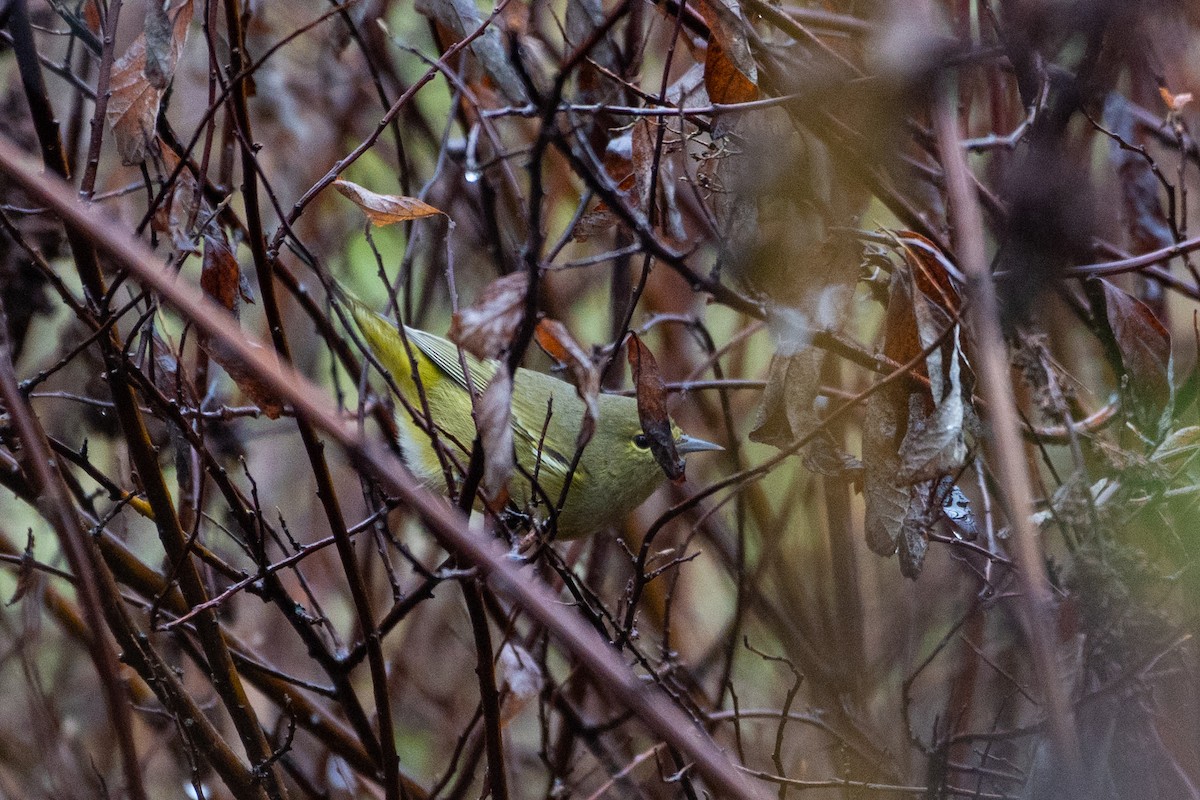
641 442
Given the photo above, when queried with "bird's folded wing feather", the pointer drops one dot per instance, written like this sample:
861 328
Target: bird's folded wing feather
445 355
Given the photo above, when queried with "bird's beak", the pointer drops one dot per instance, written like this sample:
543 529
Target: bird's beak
687 444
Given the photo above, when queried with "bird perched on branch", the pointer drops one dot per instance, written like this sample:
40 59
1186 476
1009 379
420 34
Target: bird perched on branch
616 472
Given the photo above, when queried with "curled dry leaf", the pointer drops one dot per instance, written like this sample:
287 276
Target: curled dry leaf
91 17
493 415
931 271
159 44
167 376
642 141
935 443
134 97
554 338
627 162
652 408
486 328
182 206
598 221
386 209
461 18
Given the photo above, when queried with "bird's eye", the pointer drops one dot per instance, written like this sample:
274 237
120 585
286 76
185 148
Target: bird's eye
641 442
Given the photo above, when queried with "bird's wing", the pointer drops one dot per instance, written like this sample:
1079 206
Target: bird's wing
529 403
544 403
444 354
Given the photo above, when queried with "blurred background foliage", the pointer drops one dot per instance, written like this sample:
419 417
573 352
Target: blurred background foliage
760 191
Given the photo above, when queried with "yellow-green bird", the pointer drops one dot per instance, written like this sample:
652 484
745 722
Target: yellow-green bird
616 473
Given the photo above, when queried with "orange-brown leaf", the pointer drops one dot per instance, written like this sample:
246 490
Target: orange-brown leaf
220 275
554 338
931 271
385 209
245 378
652 408
723 80
91 16
486 328
730 74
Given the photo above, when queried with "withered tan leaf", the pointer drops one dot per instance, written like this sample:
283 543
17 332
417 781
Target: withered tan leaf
385 209
786 413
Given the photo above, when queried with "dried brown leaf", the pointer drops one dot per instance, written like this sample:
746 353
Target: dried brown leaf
793 382
486 328
652 408
1145 350
935 442
385 209
462 18
595 222
1174 102
167 376
931 271
134 99
519 673
159 45
642 138
730 74
182 206
91 16
246 379
554 338
220 273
